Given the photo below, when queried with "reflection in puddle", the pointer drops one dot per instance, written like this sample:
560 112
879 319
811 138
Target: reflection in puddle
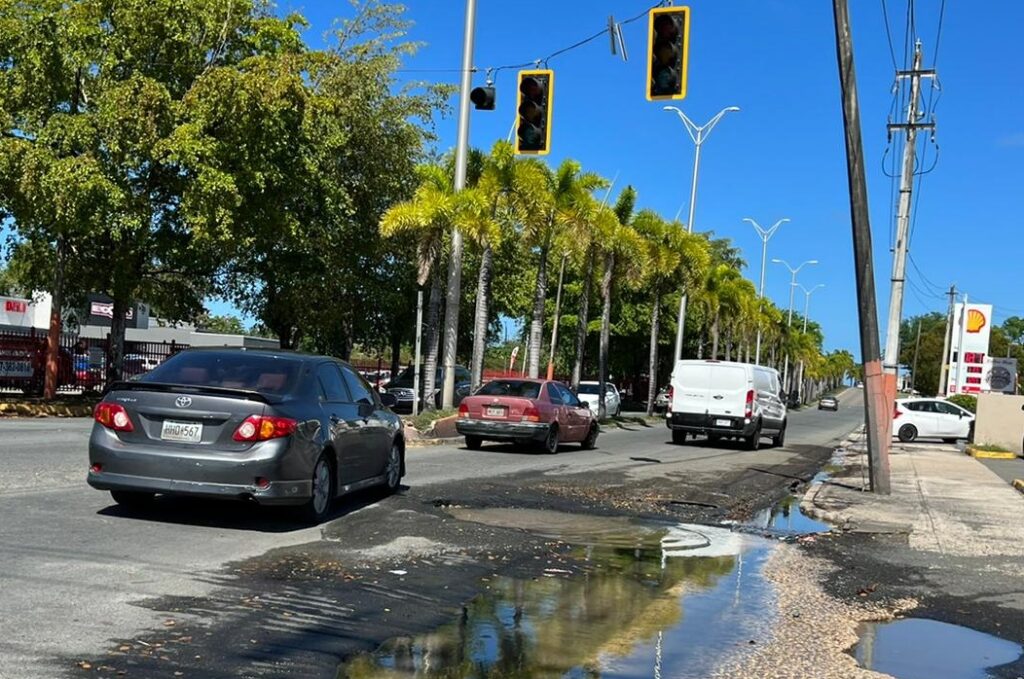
914 648
787 518
672 604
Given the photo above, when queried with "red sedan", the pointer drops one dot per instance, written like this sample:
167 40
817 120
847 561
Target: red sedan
525 412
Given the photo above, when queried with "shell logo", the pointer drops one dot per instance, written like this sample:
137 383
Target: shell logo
975 320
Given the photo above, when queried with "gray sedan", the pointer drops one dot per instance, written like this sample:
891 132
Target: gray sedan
275 427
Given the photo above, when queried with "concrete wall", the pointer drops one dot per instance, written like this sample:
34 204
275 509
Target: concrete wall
1000 421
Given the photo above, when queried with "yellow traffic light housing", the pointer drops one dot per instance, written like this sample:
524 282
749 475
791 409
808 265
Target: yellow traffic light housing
533 108
667 53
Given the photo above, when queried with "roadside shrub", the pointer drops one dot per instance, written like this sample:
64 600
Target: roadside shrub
965 401
425 420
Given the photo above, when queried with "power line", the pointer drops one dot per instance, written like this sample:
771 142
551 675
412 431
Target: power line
938 33
924 279
888 36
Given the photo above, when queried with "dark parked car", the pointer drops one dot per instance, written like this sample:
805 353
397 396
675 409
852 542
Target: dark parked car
828 403
527 412
402 388
275 427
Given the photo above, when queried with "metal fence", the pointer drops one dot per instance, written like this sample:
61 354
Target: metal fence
83 362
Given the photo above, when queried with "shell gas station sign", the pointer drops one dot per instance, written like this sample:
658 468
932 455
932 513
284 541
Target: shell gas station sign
972 329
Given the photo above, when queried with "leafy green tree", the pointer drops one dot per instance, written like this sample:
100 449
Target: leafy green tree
929 358
227 325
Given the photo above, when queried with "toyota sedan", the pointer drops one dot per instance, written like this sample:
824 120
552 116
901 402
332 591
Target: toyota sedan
275 427
526 412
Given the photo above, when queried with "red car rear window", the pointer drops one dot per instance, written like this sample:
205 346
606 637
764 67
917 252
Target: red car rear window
516 388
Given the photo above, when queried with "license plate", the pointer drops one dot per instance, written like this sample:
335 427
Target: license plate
183 432
495 411
723 423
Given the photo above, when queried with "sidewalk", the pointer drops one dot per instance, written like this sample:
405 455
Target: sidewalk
947 503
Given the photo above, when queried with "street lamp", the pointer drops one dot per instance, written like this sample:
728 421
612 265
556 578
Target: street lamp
789 323
698 134
807 310
765 234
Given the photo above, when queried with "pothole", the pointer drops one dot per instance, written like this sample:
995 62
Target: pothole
916 648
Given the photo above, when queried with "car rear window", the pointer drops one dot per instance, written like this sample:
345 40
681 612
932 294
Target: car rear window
510 388
694 376
588 389
236 370
728 377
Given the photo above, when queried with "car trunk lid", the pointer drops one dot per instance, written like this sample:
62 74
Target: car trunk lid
499 408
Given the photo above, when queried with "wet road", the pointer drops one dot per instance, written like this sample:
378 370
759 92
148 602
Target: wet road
73 565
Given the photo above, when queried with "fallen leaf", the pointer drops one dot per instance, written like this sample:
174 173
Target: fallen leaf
85 665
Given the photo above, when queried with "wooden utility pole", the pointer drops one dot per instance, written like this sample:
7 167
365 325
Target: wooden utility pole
878 422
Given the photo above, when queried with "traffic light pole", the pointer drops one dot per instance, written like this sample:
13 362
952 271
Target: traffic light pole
451 313
699 135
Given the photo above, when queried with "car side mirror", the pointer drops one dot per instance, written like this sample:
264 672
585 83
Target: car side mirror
388 400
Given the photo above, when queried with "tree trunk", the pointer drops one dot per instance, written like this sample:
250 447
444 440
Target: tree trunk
116 347
728 347
606 322
583 321
652 364
714 337
50 381
396 352
537 324
451 318
432 335
483 293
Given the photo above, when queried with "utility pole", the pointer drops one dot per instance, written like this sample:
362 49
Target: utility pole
944 370
699 134
765 235
554 325
451 309
917 351
899 260
877 419
807 311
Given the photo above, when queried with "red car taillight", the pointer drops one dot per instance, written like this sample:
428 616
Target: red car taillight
113 416
463 410
895 411
259 428
531 414
749 412
671 394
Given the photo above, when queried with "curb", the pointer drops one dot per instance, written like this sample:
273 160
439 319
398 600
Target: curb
989 454
45 410
1019 484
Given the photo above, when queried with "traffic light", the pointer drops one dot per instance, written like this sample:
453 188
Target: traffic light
533 128
668 49
483 98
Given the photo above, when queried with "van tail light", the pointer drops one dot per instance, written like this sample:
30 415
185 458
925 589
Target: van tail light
531 414
895 411
259 428
671 394
113 416
463 410
749 412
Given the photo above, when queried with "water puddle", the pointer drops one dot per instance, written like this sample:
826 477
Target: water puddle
915 648
787 519
652 600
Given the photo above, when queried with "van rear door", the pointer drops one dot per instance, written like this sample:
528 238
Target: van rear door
728 390
690 390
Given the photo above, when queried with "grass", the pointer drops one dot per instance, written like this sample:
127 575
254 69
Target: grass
425 420
990 448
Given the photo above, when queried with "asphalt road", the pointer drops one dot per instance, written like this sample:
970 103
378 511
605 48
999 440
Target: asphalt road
74 567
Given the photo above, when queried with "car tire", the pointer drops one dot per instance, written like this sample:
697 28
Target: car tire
678 437
132 499
779 439
550 444
714 438
618 410
590 442
753 442
908 433
393 467
474 442
322 491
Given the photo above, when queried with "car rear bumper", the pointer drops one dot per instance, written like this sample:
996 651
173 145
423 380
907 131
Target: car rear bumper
205 473
696 423
492 430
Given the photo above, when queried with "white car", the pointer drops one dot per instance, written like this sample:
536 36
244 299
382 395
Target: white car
935 418
589 393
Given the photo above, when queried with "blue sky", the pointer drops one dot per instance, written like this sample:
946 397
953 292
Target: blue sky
782 155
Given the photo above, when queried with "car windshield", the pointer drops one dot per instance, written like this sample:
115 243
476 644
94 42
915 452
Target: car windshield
510 388
231 370
588 389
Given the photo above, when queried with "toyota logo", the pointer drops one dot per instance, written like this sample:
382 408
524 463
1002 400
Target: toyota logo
183 401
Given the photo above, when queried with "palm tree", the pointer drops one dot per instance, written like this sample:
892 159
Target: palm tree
545 193
676 259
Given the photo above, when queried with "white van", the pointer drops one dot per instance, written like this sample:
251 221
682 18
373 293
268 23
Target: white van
726 400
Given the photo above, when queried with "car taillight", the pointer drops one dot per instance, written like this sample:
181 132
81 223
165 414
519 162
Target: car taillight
895 411
671 393
113 416
749 412
531 414
259 428
463 410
